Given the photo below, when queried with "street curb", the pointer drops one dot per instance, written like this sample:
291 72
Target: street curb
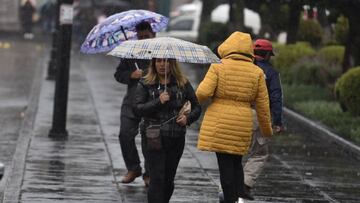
14 174
311 127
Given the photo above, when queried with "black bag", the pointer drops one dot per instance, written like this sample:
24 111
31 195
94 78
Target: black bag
153 137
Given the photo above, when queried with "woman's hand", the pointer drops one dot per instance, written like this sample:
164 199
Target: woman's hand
164 97
137 74
181 120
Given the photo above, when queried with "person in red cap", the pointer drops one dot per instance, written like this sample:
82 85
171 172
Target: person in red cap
259 150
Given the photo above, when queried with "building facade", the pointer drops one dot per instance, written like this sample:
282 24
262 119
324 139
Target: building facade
9 15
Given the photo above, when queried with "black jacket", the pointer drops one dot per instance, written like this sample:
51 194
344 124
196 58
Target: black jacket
148 105
273 84
122 75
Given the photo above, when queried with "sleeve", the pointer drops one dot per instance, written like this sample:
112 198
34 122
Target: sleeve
276 98
262 107
144 106
195 106
123 72
207 87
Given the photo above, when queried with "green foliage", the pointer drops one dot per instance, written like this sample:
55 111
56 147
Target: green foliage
331 57
347 91
305 71
341 29
321 69
330 114
310 31
317 103
332 54
302 93
287 55
213 33
275 20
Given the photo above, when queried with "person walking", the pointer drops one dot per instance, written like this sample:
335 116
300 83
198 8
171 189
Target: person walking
259 151
48 17
129 72
234 85
160 96
27 12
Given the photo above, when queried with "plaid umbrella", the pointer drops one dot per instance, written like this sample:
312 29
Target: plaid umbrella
118 28
165 47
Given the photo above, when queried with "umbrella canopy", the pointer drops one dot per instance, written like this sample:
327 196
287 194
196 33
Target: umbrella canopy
165 47
118 28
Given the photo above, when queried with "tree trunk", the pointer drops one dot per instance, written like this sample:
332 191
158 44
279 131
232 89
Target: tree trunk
350 43
207 7
139 4
322 18
294 21
236 15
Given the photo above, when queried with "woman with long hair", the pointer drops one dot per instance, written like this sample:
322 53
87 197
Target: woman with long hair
160 96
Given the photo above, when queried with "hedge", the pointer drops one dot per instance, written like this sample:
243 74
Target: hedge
347 91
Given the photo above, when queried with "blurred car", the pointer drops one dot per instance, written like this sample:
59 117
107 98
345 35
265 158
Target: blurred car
185 20
2 170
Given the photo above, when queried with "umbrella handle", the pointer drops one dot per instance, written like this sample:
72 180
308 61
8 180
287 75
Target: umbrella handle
137 67
166 60
165 75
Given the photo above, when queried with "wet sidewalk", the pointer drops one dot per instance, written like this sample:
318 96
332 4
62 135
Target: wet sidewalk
88 165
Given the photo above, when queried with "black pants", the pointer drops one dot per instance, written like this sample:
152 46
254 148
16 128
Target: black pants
163 165
128 130
231 176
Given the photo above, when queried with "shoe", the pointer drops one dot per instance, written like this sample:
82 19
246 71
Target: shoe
2 169
240 200
221 197
131 176
247 193
146 179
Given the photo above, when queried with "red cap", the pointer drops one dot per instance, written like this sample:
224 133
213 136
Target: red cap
263 44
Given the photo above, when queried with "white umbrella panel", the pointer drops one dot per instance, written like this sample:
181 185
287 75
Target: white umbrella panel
165 47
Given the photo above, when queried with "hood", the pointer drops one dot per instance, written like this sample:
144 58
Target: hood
237 46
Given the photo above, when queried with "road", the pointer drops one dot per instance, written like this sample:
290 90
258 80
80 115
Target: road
19 61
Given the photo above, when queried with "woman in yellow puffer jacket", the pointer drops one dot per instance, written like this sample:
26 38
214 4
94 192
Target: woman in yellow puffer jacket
234 86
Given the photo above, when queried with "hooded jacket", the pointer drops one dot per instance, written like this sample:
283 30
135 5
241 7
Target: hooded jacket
234 85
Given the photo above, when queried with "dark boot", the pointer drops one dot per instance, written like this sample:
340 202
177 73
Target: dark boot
247 193
146 179
131 176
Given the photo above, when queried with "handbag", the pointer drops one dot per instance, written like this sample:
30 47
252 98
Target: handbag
152 132
153 137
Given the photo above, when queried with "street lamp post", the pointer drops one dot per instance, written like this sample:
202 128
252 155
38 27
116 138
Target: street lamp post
58 129
51 70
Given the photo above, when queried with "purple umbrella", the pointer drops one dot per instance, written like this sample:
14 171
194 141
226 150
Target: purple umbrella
120 27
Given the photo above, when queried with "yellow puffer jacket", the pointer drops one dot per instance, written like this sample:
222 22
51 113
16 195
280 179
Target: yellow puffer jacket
233 86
